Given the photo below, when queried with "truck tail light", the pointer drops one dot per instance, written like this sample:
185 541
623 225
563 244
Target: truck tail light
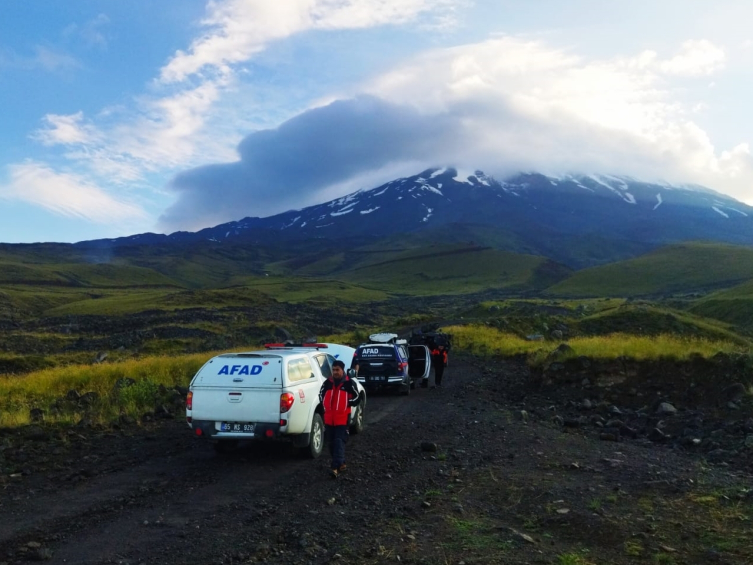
189 401
286 402
401 367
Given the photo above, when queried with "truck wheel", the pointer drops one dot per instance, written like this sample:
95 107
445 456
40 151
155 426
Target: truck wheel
316 438
357 426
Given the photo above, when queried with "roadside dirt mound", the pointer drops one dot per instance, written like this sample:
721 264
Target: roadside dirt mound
475 472
702 405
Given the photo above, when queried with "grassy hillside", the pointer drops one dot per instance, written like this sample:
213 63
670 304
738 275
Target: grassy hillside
453 269
652 320
676 268
202 265
734 305
82 275
299 289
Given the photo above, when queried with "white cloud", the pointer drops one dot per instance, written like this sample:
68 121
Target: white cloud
238 29
160 134
526 105
170 129
66 194
696 58
180 124
65 130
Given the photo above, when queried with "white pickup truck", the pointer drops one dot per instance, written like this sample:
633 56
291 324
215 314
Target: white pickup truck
268 394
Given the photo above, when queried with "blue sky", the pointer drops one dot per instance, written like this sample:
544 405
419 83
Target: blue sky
126 117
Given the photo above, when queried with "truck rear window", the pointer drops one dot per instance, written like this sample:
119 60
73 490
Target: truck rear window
376 352
299 370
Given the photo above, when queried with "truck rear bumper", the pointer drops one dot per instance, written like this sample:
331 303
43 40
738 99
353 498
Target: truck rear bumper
208 429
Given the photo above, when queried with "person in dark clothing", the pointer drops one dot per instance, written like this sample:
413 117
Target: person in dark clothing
438 361
337 396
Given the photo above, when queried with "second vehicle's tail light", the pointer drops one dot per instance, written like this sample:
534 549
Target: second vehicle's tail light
286 402
189 401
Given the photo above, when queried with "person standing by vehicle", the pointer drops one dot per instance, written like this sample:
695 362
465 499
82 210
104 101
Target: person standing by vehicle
337 395
438 361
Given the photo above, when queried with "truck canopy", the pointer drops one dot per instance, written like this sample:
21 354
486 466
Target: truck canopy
241 370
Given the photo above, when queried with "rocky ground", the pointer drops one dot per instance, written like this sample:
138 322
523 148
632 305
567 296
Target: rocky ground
488 469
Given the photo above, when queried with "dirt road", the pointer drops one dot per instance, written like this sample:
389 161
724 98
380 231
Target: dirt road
458 474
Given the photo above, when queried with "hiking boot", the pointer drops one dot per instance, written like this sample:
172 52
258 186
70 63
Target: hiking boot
342 468
333 473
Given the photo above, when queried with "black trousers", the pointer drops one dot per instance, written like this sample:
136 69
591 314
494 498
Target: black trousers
438 372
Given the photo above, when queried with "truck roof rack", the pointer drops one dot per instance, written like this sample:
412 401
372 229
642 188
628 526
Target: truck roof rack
383 337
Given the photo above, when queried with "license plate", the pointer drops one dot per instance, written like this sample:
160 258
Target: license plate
379 378
236 427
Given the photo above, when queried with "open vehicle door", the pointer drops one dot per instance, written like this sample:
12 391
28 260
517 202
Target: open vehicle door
419 363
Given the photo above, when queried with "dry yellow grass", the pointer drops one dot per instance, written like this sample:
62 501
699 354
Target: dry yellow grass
41 389
483 340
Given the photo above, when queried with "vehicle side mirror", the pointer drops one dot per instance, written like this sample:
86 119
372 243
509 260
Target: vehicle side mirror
352 373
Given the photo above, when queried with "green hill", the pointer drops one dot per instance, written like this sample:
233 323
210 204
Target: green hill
453 269
734 305
81 275
648 319
680 268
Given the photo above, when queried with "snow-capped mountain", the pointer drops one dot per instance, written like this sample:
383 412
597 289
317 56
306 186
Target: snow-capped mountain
530 206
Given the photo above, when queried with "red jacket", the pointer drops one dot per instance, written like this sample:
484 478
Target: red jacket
439 356
336 399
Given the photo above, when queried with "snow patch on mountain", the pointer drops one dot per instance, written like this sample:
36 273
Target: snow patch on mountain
483 179
621 184
719 211
601 183
370 210
462 176
658 200
431 189
345 199
615 185
292 223
341 212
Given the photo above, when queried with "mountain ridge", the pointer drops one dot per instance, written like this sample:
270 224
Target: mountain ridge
558 217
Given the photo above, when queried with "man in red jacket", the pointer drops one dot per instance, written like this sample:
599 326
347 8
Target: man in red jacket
438 361
337 395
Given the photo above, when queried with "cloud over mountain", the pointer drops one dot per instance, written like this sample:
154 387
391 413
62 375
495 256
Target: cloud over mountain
290 166
503 105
